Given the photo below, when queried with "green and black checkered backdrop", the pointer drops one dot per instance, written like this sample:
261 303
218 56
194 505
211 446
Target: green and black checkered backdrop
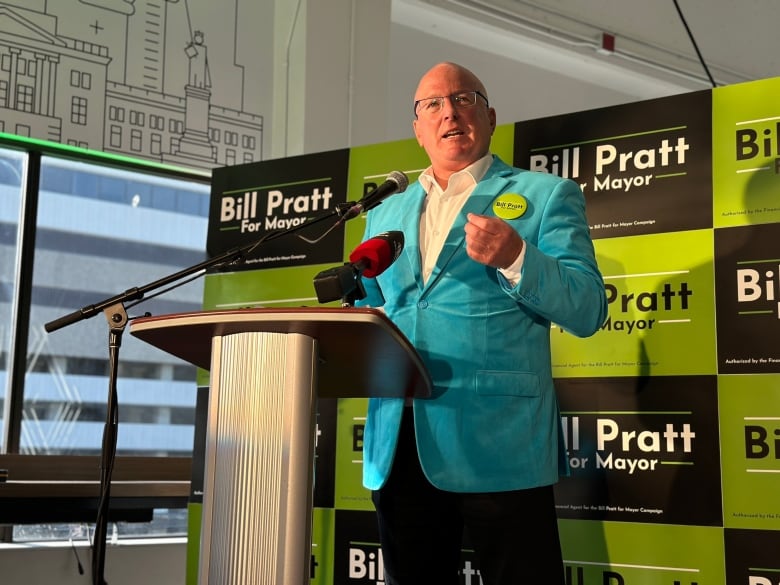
671 410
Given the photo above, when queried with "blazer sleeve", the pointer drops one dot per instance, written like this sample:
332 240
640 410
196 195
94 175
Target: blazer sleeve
560 279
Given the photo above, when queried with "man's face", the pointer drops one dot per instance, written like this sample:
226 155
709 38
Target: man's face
453 137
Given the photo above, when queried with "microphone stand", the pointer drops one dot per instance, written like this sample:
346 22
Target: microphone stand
116 315
356 294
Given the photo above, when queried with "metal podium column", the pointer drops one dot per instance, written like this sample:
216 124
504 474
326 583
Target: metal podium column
259 466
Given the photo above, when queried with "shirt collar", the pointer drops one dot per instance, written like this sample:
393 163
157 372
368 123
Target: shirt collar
475 170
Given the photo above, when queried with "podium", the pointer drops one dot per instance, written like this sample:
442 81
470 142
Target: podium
267 368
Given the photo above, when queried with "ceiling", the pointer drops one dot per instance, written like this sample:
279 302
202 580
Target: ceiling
737 39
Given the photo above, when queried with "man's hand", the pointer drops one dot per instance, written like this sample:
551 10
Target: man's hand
491 241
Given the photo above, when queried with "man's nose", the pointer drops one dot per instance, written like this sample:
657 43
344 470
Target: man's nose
449 109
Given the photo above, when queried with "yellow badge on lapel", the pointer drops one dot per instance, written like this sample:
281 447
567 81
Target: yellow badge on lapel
510 206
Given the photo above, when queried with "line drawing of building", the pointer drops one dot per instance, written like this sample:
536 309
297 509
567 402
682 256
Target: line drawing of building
137 92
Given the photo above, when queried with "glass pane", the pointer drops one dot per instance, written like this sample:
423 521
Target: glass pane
11 171
101 232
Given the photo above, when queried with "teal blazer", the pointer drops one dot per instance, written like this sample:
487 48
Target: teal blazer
492 422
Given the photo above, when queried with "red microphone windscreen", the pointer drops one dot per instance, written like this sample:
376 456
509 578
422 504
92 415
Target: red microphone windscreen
375 255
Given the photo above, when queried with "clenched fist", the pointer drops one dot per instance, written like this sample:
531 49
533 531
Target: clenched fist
492 241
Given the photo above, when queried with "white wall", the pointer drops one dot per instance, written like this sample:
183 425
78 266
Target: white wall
517 91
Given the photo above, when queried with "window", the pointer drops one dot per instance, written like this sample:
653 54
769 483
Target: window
175 126
137 118
80 80
156 122
116 114
83 255
135 140
115 136
97 229
155 144
78 110
24 97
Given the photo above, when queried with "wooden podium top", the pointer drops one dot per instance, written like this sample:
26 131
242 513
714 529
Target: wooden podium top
362 353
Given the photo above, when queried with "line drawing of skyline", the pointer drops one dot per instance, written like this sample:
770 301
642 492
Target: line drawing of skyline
159 79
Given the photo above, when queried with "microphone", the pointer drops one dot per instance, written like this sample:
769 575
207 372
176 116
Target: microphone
396 182
369 259
375 255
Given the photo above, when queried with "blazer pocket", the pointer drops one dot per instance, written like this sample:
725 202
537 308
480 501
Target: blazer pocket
496 383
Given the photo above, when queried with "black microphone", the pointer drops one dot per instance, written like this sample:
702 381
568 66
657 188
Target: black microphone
369 259
396 182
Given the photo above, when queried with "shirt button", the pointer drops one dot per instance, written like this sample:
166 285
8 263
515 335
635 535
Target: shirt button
422 305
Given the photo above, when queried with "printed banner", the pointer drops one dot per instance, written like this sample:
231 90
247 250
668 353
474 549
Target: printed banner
322 540
358 558
635 163
750 450
661 310
265 203
623 553
746 153
747 287
752 557
640 450
350 493
325 452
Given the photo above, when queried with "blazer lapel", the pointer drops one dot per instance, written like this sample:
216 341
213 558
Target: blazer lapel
479 202
410 226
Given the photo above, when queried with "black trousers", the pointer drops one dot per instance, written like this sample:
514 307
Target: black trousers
514 534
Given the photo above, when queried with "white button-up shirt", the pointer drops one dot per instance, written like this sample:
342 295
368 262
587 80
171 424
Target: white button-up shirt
442 206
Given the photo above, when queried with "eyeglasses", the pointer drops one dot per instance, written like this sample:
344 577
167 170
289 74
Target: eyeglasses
433 105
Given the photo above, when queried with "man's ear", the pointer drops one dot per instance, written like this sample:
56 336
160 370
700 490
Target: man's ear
416 133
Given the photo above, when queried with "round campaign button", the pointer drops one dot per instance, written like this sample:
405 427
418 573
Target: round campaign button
510 206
